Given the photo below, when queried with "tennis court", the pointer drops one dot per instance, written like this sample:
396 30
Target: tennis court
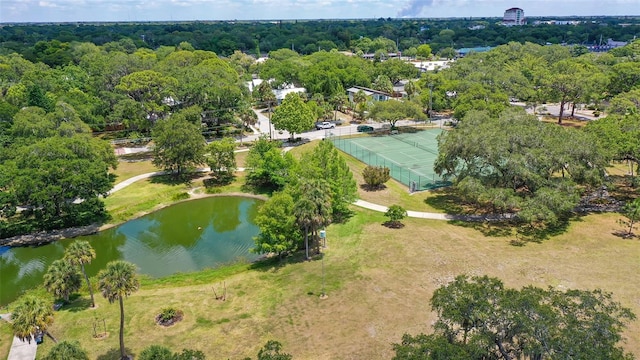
410 156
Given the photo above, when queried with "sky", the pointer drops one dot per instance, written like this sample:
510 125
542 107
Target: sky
187 10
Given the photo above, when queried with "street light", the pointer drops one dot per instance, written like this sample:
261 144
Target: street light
270 132
323 238
430 100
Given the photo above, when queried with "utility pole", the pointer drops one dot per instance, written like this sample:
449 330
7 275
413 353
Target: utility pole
270 131
430 100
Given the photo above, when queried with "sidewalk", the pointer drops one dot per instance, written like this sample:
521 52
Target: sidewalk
434 216
20 350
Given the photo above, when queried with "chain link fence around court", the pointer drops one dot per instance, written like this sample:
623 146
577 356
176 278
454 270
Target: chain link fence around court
409 161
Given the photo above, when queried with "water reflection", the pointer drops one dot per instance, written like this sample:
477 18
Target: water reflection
185 237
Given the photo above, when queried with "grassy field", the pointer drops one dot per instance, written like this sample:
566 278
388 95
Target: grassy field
378 282
6 337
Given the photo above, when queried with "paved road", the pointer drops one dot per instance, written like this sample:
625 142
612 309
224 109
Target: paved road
554 110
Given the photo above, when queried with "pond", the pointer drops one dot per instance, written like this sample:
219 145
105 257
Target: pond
185 237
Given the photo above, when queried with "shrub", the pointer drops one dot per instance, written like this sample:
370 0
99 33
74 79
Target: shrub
180 196
376 176
156 352
395 214
169 316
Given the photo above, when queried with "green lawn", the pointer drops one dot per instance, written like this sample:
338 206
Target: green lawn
378 280
6 337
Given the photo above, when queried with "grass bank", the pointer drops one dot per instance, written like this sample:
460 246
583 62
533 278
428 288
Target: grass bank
378 280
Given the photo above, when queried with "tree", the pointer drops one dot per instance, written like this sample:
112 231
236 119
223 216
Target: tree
188 354
51 174
117 281
268 167
395 213
411 88
150 89
62 279
272 351
156 352
396 70
479 318
424 51
516 163
32 315
80 253
312 209
247 117
566 82
264 93
279 232
384 84
292 115
360 98
376 176
67 350
325 162
627 103
179 145
221 158
393 111
631 212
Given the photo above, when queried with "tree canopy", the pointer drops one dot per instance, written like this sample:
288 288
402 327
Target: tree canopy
515 163
478 318
393 111
292 115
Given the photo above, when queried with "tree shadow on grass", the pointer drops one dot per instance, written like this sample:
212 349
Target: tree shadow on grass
114 354
174 180
368 188
78 304
447 200
275 263
519 234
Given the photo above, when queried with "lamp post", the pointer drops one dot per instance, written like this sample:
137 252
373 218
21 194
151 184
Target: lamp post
430 100
270 131
323 237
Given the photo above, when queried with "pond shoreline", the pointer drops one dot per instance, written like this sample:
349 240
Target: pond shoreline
46 237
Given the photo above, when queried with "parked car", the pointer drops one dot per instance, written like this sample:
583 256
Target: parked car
364 128
325 125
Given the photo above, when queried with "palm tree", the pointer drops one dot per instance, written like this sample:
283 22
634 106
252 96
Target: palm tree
67 350
359 98
32 315
116 281
313 208
62 279
80 253
303 211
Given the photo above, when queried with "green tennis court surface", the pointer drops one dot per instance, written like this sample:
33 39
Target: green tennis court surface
409 156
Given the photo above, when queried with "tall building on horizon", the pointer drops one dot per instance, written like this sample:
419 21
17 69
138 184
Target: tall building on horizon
514 17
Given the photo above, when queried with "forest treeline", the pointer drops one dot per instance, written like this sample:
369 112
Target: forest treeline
55 110
36 41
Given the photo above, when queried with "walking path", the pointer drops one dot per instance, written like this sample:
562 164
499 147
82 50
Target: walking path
20 350
360 203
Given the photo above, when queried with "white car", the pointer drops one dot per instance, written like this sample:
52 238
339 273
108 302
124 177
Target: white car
325 125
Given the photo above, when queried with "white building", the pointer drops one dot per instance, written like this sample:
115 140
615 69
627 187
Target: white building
514 17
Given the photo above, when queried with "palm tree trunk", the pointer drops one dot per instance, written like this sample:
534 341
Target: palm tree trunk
93 302
123 354
306 241
51 337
